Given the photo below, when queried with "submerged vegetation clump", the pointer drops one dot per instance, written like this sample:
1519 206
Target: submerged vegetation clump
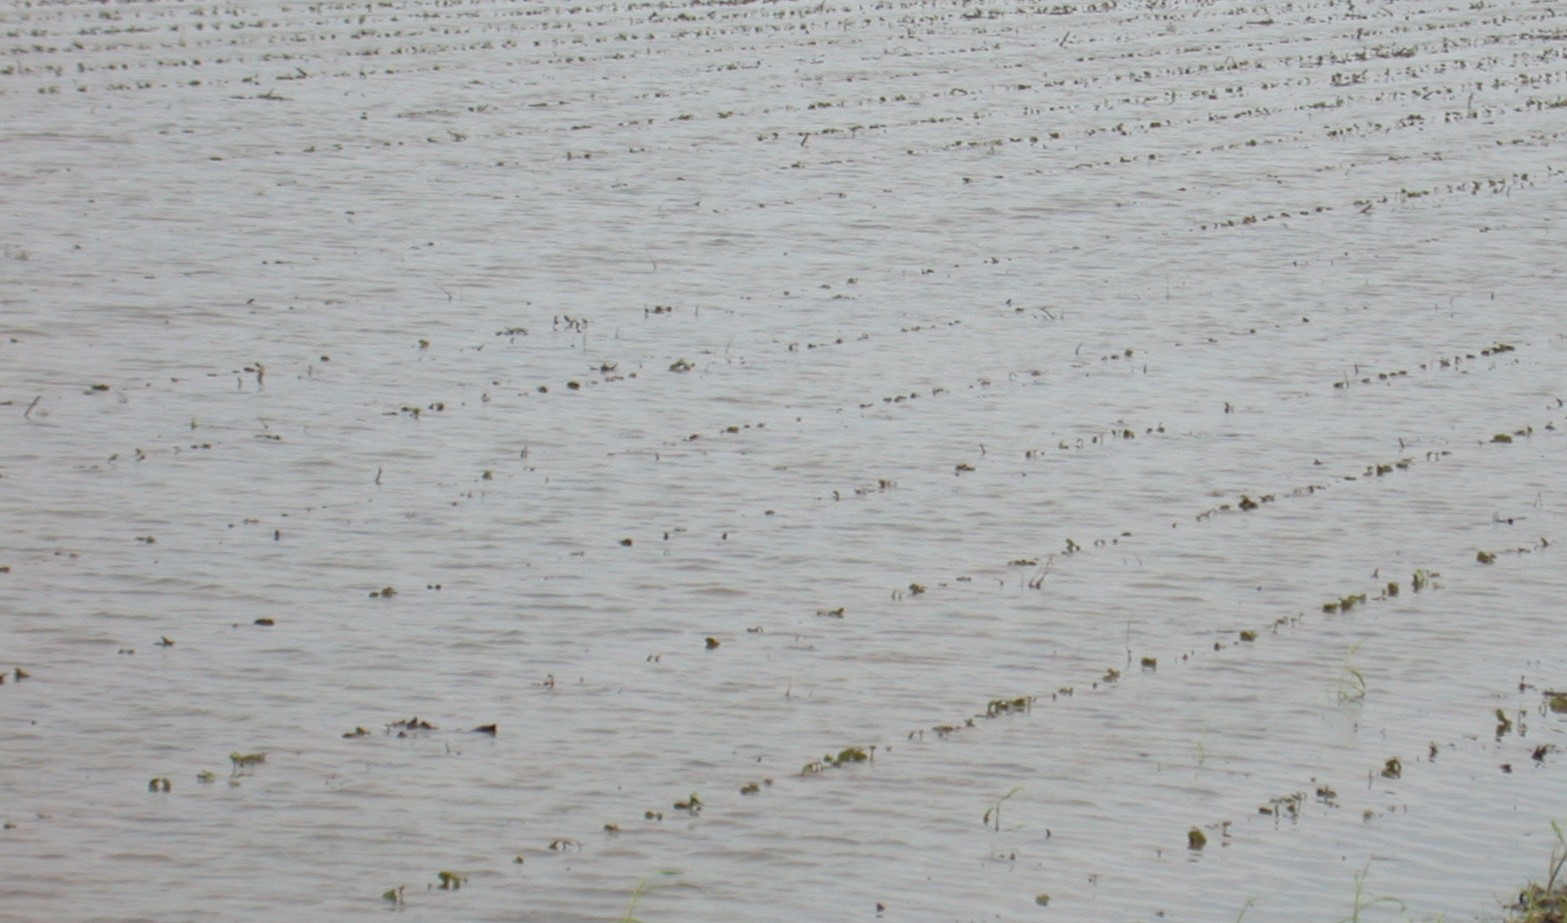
244 761
1008 706
1538 904
850 755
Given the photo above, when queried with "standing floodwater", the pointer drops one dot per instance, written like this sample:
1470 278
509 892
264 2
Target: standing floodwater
780 461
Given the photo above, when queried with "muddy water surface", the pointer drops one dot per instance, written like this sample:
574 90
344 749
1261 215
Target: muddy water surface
1107 421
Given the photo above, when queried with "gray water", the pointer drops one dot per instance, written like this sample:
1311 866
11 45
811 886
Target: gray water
596 333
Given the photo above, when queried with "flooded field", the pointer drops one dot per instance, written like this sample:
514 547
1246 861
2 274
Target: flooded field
765 461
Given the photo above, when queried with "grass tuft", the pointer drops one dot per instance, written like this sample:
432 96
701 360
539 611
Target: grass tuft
1545 903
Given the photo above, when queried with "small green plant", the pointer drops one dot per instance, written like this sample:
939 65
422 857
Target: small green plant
992 816
1558 856
667 879
1351 686
1362 904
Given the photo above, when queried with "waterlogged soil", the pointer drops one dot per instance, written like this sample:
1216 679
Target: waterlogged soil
757 461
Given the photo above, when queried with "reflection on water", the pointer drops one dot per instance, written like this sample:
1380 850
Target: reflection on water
855 459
